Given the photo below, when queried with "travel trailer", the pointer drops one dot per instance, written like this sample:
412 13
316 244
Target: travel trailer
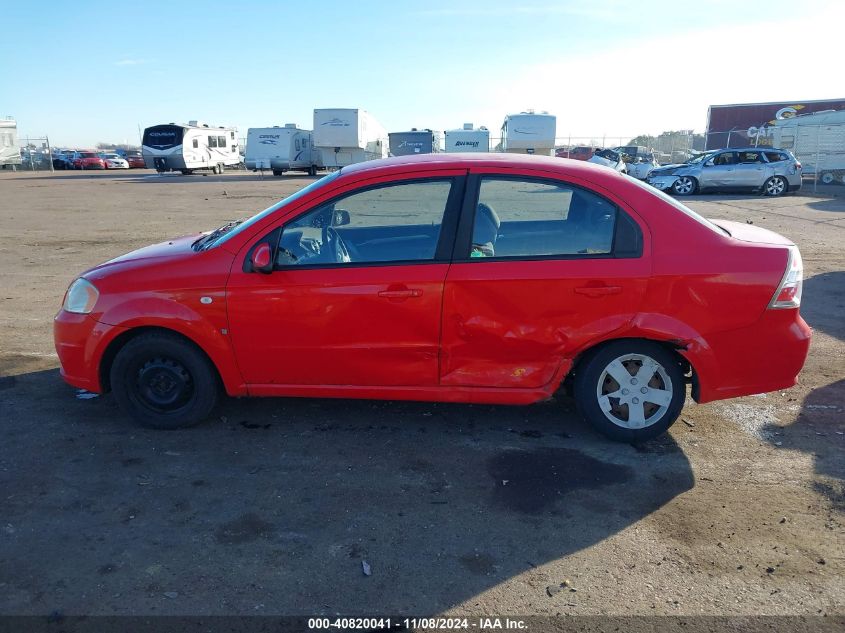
281 149
345 136
468 139
10 153
414 142
192 147
529 133
817 140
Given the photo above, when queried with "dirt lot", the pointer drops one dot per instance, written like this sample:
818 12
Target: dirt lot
272 507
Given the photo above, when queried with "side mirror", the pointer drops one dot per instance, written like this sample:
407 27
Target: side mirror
341 218
261 259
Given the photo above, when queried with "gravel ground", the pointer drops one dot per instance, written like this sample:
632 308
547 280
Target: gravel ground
274 506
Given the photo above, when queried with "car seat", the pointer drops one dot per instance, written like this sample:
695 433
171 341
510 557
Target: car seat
485 231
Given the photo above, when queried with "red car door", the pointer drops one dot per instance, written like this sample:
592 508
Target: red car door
356 292
542 268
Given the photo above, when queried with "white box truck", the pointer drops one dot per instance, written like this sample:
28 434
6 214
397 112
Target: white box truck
281 149
188 148
529 133
817 140
345 136
10 153
468 139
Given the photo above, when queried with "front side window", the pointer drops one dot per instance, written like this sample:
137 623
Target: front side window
527 218
725 158
393 223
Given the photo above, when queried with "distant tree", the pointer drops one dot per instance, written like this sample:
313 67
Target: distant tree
643 140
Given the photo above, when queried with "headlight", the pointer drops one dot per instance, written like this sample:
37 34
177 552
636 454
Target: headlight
81 297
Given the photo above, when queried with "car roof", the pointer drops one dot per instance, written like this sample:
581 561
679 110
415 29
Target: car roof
578 168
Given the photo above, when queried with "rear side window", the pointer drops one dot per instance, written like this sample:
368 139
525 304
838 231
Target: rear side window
518 218
750 157
774 157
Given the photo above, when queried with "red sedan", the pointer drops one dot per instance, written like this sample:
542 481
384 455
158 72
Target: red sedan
88 160
135 160
461 278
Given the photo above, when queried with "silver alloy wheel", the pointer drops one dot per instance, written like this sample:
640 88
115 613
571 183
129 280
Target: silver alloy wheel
827 178
684 185
775 186
634 391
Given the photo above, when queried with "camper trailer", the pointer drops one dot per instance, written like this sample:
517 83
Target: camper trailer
281 149
192 147
10 153
817 140
468 139
344 136
529 133
414 142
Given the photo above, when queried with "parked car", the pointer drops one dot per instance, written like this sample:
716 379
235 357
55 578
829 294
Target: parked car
463 278
135 160
114 161
609 158
88 160
773 172
641 166
62 160
576 153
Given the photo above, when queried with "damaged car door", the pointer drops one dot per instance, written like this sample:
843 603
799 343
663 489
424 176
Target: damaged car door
541 268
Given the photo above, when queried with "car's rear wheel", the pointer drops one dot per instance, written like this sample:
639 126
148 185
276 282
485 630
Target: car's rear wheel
685 186
827 178
162 381
630 391
775 186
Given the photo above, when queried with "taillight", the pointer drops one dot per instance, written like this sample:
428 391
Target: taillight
788 294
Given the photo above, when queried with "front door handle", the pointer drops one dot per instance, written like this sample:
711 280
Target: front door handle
403 293
598 291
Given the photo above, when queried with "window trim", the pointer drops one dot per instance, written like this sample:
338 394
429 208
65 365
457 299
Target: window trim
463 240
442 251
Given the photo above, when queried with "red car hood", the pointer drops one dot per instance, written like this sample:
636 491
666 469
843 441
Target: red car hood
751 233
178 247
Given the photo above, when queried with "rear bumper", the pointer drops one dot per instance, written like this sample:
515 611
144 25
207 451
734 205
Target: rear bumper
80 342
764 357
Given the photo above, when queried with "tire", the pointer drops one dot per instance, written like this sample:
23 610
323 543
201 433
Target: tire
277 172
595 381
312 171
221 168
685 186
775 186
185 172
827 178
163 381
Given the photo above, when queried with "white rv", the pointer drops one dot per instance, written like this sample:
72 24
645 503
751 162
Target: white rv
468 139
817 140
10 153
281 149
345 136
529 133
192 147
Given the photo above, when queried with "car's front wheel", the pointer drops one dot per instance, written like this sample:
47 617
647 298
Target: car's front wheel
163 381
775 186
630 391
685 186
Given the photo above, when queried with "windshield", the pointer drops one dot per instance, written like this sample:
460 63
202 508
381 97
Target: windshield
88 155
317 184
698 159
680 207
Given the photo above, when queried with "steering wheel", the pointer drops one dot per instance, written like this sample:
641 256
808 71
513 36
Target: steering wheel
332 240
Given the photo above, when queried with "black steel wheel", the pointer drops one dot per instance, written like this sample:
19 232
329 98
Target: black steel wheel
163 381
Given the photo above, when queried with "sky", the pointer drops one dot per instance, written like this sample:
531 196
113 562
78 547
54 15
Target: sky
89 71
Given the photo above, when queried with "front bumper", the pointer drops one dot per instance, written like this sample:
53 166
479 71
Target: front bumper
80 343
661 182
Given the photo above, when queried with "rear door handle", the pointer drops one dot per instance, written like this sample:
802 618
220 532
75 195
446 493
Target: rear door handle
598 291
405 293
